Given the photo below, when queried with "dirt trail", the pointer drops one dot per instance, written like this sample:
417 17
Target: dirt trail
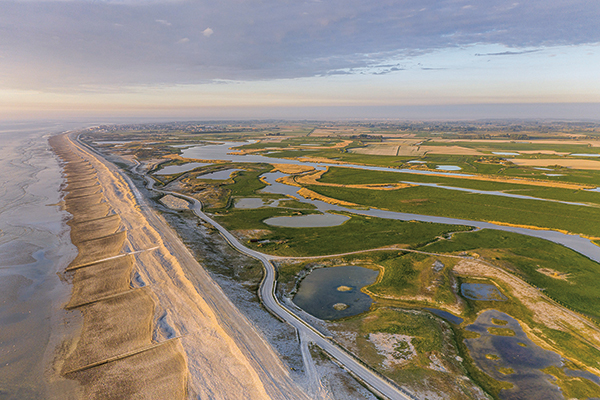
156 336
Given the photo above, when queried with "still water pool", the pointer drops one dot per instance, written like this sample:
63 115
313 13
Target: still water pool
308 221
332 293
504 352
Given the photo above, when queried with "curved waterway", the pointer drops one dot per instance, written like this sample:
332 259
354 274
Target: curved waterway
580 244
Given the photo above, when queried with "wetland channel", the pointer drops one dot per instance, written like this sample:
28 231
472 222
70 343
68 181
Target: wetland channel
221 151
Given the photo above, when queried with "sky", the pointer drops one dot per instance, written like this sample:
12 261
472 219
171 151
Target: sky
426 59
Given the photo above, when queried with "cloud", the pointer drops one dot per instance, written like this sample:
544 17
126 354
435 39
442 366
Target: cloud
507 53
184 40
59 44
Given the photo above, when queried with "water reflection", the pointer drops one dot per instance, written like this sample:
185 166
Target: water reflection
308 221
580 244
177 169
481 291
514 358
332 293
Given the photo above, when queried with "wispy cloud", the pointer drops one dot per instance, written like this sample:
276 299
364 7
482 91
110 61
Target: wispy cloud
507 53
55 44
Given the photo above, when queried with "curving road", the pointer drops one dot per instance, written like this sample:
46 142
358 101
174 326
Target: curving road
306 332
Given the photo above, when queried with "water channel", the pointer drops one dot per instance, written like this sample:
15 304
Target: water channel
580 244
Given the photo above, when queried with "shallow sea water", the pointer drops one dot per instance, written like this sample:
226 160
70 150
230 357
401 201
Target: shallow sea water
34 246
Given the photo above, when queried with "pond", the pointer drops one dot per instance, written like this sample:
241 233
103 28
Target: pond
177 169
481 291
308 221
504 352
448 168
249 203
219 175
505 153
445 315
332 293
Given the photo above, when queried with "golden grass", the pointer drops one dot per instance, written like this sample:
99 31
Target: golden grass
313 179
537 228
309 194
291 168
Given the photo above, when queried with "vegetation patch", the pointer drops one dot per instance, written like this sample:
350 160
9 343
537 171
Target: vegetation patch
573 387
501 331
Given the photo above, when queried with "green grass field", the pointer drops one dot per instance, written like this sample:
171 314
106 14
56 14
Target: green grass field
479 207
358 233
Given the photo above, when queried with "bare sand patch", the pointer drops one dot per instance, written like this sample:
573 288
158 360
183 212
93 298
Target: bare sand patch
157 373
86 191
99 249
554 274
110 328
395 349
82 184
94 229
175 203
101 280
566 162
83 212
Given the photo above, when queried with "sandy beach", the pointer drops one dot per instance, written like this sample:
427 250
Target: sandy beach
147 331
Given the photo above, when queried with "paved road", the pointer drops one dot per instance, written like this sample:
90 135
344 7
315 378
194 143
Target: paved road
378 383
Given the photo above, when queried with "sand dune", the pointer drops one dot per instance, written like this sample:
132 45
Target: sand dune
160 336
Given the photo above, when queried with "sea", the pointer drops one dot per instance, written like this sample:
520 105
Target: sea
34 247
